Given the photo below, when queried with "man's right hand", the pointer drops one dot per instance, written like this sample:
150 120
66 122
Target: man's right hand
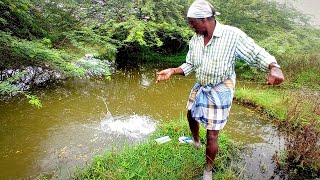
275 76
165 74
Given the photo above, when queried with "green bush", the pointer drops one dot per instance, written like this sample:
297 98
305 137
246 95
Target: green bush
36 52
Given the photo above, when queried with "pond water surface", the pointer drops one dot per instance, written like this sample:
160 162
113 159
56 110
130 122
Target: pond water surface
75 124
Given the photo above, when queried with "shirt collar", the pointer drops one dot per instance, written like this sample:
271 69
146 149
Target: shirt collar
218 30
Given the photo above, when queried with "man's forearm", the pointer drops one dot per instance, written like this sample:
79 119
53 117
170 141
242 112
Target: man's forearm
178 71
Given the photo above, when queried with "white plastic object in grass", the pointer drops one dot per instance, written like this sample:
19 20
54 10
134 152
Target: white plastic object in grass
163 139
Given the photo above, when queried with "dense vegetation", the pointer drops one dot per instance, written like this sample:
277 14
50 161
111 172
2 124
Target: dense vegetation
55 33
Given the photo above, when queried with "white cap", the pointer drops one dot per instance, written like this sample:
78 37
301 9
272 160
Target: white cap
201 9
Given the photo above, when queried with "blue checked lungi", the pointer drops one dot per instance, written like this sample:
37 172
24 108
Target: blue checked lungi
211 104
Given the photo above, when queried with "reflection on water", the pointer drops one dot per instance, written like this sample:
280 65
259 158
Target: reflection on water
74 123
246 126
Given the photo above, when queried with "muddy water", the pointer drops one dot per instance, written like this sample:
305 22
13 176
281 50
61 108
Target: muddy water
74 124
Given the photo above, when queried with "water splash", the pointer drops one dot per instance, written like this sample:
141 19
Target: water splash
133 126
109 115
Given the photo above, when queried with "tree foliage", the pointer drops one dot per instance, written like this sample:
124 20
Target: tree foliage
19 17
139 26
51 32
128 27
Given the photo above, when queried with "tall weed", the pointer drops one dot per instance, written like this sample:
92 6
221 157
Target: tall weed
302 146
301 70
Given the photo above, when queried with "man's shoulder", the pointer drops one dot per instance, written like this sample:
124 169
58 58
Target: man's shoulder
194 38
231 30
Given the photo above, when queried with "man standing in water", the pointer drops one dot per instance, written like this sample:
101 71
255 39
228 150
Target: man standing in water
212 53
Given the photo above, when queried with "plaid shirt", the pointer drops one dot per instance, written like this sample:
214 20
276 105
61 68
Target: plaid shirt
215 62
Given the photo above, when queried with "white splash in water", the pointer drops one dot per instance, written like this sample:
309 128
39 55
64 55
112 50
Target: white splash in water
134 126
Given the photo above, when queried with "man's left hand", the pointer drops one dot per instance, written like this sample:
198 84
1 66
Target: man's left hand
275 76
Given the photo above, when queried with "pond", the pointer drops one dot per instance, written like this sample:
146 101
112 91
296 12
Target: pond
75 124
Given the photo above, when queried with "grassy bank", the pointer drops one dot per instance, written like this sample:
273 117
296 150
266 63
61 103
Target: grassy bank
270 100
297 107
171 160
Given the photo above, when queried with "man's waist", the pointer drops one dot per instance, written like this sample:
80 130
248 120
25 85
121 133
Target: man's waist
229 81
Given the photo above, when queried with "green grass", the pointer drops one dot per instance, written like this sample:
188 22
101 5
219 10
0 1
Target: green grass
272 101
308 78
296 107
301 70
170 160
173 58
